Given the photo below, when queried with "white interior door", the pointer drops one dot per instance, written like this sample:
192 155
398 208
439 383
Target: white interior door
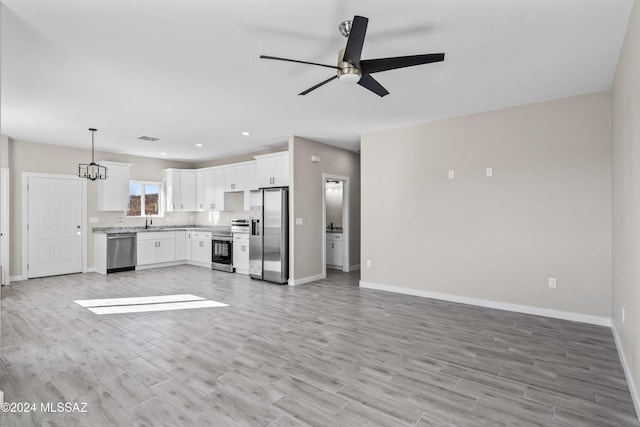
55 226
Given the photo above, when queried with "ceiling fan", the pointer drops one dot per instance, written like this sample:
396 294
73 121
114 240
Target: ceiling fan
353 69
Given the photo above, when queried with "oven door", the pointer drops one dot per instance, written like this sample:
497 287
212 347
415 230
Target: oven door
222 255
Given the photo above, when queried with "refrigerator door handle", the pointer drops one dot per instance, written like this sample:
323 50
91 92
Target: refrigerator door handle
255 227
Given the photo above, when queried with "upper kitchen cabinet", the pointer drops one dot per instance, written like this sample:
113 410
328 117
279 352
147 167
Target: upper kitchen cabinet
273 169
113 192
239 176
209 189
180 188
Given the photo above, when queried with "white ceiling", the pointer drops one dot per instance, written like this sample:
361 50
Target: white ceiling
188 71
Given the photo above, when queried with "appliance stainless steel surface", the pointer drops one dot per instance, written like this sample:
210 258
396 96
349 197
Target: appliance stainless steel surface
222 249
121 252
240 226
269 236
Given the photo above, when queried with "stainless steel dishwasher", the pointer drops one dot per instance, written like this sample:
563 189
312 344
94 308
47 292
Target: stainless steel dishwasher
121 252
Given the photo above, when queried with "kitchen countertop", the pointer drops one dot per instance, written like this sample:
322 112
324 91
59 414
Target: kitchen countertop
334 230
141 229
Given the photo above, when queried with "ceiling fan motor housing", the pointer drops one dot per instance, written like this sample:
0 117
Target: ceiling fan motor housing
347 73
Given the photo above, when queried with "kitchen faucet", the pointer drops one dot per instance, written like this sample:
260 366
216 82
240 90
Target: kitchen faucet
147 224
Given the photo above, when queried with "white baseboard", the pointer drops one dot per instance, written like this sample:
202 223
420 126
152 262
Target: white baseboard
309 279
162 264
198 263
90 270
17 278
627 372
556 314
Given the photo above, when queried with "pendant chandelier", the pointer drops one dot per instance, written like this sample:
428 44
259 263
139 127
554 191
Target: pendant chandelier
92 170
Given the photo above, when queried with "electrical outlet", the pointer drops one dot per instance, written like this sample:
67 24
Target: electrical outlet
368 263
299 221
552 282
452 174
622 314
120 219
489 171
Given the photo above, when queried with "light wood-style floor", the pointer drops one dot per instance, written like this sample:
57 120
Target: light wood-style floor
321 354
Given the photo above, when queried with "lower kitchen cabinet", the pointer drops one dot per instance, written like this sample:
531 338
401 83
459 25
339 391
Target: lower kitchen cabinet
334 251
201 248
241 253
181 245
156 247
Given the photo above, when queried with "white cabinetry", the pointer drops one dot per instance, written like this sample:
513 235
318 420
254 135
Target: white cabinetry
209 190
181 245
334 250
240 176
201 248
241 252
273 169
172 189
188 190
156 247
113 192
180 189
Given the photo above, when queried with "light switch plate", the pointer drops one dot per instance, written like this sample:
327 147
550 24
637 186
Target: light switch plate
298 221
93 219
489 171
452 174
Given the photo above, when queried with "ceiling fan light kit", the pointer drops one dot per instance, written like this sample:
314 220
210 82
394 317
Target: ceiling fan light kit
352 69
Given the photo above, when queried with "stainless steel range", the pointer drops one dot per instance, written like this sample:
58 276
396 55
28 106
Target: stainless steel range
222 248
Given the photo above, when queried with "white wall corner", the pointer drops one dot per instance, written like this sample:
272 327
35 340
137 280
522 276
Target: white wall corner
525 309
304 280
627 372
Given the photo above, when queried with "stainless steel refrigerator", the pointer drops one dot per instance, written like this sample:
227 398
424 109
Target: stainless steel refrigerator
269 238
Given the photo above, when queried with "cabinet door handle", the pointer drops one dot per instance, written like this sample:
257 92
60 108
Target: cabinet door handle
181 205
332 245
201 243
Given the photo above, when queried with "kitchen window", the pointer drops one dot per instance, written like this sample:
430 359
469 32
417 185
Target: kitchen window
144 198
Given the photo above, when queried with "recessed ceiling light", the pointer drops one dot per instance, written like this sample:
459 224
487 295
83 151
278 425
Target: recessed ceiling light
198 145
245 133
163 154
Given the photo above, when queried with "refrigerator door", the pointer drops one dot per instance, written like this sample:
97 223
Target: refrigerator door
255 234
275 266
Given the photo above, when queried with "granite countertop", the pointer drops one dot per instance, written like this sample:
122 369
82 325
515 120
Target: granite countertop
141 229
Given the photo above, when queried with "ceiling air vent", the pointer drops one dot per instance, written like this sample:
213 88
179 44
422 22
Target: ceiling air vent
148 138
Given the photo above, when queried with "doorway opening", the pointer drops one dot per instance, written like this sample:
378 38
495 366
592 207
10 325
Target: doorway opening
335 222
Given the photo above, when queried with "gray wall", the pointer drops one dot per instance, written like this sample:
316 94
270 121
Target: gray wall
306 203
546 212
626 194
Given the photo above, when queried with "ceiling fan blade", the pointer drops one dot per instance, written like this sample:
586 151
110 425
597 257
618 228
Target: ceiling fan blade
353 51
384 64
299 62
368 82
318 85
